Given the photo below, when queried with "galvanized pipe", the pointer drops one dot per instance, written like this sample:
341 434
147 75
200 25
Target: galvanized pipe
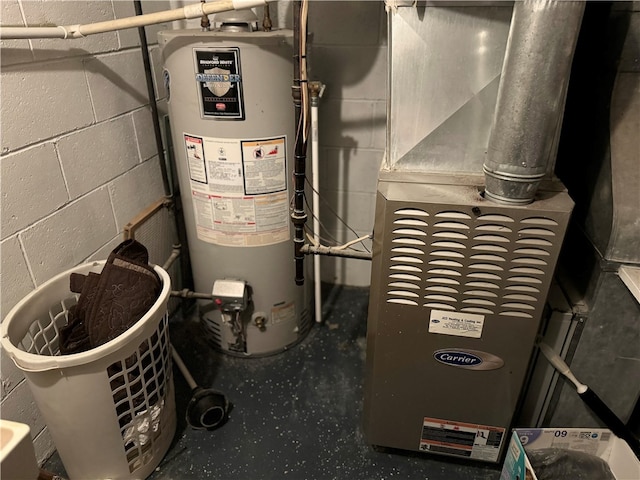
530 103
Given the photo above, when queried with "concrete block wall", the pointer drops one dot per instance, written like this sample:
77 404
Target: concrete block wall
348 54
77 159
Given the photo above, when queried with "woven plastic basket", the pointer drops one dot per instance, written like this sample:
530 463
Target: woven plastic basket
110 410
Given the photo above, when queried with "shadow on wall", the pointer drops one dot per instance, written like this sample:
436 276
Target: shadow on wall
90 64
347 53
101 74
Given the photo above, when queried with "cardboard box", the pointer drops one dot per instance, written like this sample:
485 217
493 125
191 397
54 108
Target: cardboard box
600 442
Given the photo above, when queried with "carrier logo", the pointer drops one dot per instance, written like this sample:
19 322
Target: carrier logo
469 359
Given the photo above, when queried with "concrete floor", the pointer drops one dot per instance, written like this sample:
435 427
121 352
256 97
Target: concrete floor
296 414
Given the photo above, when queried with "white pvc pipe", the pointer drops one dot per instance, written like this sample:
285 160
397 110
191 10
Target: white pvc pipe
78 31
33 32
559 364
316 207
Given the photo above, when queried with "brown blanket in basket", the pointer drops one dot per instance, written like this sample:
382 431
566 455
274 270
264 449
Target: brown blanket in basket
112 301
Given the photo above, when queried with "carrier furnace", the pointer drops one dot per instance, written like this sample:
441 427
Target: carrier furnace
459 281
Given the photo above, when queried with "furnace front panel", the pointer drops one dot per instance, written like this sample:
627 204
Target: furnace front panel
458 290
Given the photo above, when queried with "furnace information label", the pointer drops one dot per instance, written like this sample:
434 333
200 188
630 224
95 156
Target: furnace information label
455 323
480 442
239 189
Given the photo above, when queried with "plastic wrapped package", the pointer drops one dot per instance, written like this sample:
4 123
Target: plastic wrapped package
556 463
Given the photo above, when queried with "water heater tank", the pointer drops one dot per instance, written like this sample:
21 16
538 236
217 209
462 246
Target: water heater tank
232 122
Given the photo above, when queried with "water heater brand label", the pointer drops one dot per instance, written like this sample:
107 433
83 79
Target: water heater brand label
219 82
468 359
455 323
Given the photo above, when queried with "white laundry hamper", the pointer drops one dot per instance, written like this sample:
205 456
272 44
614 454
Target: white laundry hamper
104 426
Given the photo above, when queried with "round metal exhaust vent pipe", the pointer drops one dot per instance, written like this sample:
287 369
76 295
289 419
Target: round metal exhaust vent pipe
531 95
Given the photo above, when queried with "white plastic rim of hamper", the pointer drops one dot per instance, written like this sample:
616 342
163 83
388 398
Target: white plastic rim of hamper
17 323
73 392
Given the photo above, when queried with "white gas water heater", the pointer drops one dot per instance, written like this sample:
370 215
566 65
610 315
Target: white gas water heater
232 122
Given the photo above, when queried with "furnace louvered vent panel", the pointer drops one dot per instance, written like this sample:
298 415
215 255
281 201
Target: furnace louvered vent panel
461 260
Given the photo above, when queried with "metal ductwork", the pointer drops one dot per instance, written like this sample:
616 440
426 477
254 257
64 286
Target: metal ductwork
531 97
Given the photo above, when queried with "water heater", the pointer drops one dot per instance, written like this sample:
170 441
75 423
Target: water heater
231 115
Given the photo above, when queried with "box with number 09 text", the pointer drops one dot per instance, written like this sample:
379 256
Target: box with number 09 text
526 443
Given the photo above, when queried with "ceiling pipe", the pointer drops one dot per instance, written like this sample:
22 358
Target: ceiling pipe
531 97
196 10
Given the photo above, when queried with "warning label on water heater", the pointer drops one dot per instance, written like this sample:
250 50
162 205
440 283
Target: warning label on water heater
239 189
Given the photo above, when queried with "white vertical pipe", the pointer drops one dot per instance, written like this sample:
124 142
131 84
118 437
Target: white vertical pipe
316 206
